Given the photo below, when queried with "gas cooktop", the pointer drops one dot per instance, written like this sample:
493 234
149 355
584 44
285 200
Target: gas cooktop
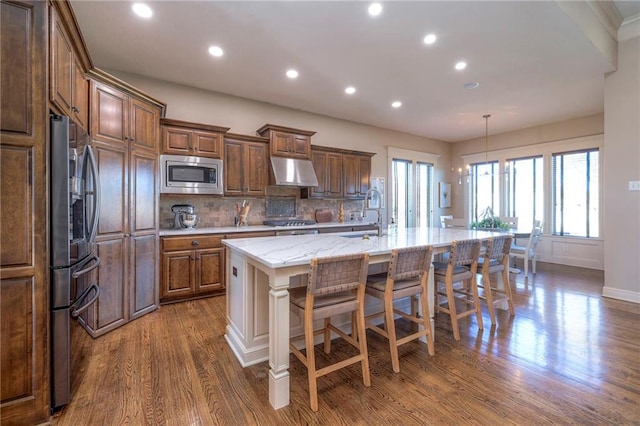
289 222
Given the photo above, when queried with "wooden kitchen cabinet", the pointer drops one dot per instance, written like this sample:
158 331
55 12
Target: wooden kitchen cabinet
356 174
287 142
126 130
24 269
195 139
342 174
246 170
192 267
119 118
68 84
328 168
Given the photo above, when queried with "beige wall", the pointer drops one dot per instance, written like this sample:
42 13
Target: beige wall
246 116
621 165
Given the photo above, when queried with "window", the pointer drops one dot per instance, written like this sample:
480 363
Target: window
525 194
576 193
411 192
485 189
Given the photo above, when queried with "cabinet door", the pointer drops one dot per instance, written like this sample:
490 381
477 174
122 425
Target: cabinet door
210 270
319 161
143 296
177 274
334 175
208 144
255 169
364 174
24 282
109 114
176 141
111 309
300 146
62 64
145 125
233 168
281 143
351 182
143 214
112 167
80 106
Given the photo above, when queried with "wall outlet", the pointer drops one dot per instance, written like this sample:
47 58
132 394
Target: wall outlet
634 185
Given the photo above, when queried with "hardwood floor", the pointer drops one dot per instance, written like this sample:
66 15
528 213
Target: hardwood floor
569 356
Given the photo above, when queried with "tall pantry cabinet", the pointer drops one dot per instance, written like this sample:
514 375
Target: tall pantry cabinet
24 354
125 129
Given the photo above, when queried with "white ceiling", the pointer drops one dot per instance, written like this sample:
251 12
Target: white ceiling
533 63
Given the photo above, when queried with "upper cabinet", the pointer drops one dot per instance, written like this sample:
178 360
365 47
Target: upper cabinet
184 138
120 118
342 174
246 171
356 174
287 142
68 84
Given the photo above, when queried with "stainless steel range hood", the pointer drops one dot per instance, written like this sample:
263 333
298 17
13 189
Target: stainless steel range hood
293 172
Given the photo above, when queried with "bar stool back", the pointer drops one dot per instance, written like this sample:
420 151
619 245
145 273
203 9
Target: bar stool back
461 267
407 277
495 261
336 286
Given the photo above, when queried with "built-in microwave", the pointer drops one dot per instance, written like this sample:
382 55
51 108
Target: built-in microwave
182 174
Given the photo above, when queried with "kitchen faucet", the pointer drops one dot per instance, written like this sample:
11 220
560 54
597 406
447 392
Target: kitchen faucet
365 208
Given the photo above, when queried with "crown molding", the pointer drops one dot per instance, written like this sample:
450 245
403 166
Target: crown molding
608 14
629 29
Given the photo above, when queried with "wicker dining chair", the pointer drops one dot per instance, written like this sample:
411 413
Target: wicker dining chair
495 261
336 286
406 277
461 267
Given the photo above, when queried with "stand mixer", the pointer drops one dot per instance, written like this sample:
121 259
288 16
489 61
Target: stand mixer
185 216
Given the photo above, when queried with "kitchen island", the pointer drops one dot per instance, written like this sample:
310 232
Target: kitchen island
261 270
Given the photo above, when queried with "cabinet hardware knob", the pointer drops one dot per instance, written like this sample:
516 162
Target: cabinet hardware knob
195 243
75 109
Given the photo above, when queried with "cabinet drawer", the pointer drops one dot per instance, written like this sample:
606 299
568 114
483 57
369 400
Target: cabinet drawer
191 243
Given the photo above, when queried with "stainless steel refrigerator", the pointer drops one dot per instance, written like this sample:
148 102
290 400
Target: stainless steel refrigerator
74 206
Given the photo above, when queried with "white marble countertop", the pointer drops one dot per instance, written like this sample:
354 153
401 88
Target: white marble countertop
255 228
284 251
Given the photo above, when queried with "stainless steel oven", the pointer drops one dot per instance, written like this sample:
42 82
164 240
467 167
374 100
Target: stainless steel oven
75 204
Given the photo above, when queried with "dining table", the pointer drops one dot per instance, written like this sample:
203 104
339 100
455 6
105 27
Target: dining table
260 271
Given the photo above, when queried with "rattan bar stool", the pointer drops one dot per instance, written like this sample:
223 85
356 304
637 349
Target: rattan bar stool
407 277
461 267
495 261
336 286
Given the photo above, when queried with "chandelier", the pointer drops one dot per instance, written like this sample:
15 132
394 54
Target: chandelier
486 172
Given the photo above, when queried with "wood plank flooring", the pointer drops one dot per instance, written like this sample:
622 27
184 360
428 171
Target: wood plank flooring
569 356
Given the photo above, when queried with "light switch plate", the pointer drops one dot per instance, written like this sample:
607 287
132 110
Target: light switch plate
634 185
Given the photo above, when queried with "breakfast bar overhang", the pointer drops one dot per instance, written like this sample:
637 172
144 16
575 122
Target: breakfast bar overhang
259 272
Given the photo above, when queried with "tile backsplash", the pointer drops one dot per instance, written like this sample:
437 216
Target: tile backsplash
221 211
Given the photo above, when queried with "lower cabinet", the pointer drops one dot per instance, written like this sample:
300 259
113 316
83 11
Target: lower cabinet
192 267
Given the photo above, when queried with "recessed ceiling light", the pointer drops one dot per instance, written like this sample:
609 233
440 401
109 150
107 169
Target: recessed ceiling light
216 51
429 39
471 85
142 10
375 9
461 65
350 90
292 73
396 104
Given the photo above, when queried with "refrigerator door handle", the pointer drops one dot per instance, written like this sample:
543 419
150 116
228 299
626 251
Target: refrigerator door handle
91 160
84 305
93 257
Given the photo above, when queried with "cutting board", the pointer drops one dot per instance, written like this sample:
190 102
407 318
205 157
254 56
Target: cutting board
324 216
